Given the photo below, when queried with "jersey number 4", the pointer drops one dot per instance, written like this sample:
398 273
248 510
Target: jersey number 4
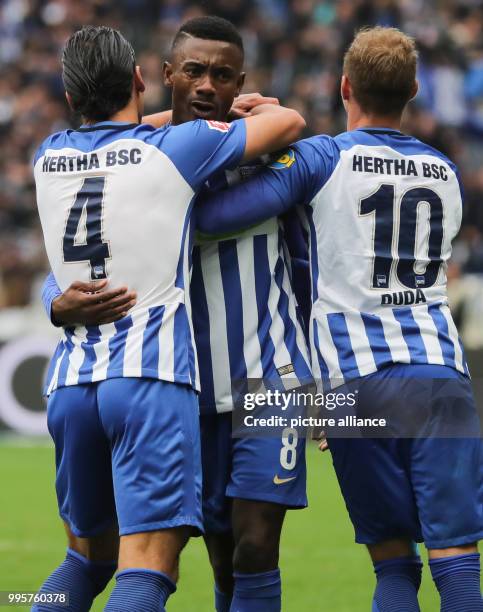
411 237
83 230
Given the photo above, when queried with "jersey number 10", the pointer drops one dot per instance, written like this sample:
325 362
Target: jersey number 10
92 248
409 271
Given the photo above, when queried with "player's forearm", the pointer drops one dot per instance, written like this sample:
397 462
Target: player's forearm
242 206
158 120
270 128
50 291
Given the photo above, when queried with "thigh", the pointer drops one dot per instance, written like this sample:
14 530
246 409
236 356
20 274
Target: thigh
216 457
263 520
270 469
447 472
375 482
83 460
153 428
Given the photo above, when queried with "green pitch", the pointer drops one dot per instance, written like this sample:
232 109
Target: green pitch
322 568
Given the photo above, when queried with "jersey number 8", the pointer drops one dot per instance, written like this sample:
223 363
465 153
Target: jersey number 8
288 453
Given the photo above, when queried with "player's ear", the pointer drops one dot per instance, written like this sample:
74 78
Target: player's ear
345 92
240 83
69 100
345 88
414 90
138 80
168 74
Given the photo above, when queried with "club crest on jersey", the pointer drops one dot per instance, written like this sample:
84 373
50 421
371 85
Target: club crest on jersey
284 161
220 126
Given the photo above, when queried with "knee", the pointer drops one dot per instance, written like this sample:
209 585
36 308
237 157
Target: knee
255 552
154 550
98 549
391 549
257 528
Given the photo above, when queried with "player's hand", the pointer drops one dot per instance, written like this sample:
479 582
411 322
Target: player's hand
90 304
321 437
243 105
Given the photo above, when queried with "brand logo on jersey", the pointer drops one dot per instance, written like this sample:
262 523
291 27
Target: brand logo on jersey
284 161
403 298
220 126
286 369
279 481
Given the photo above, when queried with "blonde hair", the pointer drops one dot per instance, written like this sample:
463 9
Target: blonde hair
381 67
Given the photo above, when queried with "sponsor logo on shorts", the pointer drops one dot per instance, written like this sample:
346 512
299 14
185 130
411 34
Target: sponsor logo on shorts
280 481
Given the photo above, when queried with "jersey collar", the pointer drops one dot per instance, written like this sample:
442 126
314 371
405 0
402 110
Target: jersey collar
107 125
379 130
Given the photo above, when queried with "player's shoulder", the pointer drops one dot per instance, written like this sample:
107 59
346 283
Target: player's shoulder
409 145
57 140
88 138
316 151
178 141
321 144
422 148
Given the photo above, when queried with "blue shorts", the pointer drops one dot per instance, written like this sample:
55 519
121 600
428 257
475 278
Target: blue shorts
268 469
427 488
127 451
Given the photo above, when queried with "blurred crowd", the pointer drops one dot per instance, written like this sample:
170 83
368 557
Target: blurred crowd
294 50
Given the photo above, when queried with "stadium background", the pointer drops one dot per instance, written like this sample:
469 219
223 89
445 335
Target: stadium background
294 50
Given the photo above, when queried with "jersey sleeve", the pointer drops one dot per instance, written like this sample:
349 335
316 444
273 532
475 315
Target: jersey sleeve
50 290
297 243
202 148
294 178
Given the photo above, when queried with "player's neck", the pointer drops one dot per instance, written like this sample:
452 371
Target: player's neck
357 119
128 114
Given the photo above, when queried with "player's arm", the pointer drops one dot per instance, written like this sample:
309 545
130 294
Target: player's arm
200 149
85 303
289 181
50 291
296 241
158 120
271 127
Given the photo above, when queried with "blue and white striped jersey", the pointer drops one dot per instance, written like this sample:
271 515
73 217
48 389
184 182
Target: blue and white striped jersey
115 200
246 319
247 323
383 209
